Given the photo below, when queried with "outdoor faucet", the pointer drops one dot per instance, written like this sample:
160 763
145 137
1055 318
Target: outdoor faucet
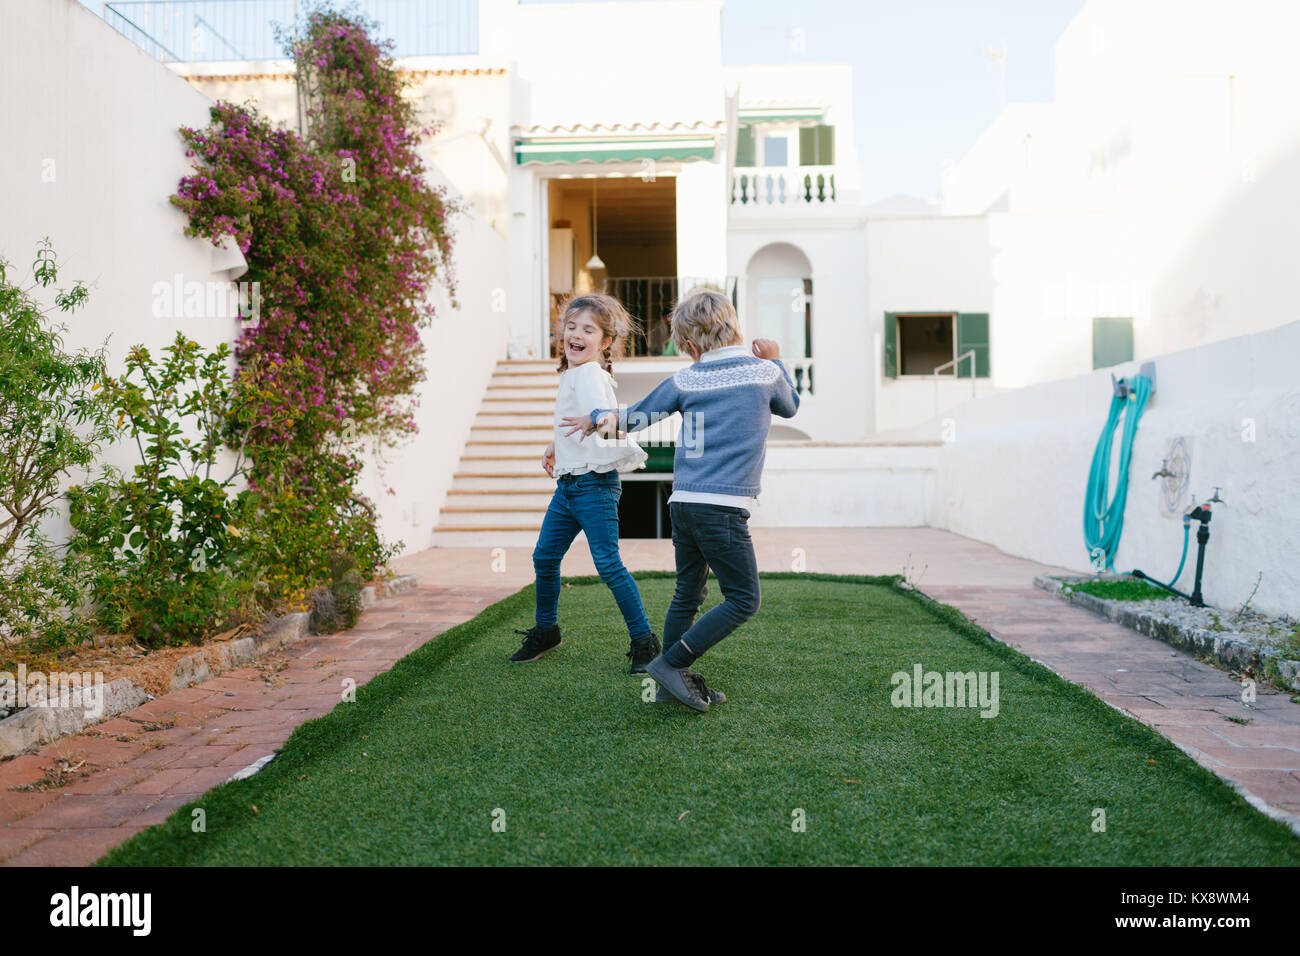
1216 498
1164 470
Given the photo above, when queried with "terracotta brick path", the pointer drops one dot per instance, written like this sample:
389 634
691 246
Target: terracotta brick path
206 733
139 775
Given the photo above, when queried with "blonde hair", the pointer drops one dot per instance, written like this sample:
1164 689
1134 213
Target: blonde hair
612 319
708 319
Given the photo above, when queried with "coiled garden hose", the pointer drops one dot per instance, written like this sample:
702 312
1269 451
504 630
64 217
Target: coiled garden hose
1103 514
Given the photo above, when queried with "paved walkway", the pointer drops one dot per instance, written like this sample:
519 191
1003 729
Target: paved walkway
145 764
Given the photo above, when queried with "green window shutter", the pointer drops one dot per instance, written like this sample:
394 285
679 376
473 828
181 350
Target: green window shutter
1112 341
807 146
891 345
816 145
825 145
746 150
973 333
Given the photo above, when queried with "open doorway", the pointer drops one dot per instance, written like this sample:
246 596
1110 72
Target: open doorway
630 225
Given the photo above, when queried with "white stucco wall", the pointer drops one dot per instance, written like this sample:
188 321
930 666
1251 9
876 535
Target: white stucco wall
616 62
91 155
847 485
462 347
833 242
1016 469
926 264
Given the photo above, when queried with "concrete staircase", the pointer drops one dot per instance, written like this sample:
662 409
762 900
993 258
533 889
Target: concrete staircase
499 492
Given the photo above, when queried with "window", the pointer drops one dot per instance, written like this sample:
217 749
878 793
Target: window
817 145
776 151
916 343
1112 341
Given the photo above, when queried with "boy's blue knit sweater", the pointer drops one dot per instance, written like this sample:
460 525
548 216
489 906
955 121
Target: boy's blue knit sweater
727 408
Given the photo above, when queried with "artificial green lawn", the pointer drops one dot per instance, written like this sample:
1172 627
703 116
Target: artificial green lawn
588 773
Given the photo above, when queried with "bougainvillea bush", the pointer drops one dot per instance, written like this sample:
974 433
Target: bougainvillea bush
345 239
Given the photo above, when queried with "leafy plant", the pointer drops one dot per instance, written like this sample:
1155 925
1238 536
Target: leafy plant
165 540
50 426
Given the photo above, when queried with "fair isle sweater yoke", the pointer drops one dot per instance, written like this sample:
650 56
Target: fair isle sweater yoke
727 407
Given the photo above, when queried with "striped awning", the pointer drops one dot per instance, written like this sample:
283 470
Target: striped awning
781 114
608 149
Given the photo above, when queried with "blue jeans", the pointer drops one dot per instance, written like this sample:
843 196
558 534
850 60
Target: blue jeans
709 537
587 503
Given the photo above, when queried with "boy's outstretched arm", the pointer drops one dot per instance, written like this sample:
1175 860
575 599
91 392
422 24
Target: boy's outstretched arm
662 401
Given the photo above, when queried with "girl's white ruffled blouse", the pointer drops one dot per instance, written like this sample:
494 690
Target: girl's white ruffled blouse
583 389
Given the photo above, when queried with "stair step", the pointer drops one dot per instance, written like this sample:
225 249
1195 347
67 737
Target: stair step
525 406
523 518
486 539
538 437
485 498
533 482
528 464
508 417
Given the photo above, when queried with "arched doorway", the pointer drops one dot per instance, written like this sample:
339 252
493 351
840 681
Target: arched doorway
778 305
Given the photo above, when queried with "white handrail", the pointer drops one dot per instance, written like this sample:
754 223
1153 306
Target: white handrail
969 354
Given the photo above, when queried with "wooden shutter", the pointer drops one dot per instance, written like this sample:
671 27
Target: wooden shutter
807 146
1112 341
816 145
746 150
825 145
891 345
973 333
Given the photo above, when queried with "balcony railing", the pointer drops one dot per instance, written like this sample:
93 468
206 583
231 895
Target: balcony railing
190 31
783 186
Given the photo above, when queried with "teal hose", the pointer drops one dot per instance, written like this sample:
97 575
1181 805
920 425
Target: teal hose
1103 514
1187 527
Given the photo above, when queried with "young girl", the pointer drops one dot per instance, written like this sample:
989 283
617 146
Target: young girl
587 488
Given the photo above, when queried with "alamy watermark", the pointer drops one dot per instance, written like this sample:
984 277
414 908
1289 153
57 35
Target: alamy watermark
179 299
67 690
924 688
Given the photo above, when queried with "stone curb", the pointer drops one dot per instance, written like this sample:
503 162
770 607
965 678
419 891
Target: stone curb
41 724
1228 651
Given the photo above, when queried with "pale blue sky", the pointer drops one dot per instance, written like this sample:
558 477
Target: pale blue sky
924 88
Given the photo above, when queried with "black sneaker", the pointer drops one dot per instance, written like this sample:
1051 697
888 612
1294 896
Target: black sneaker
538 641
710 694
644 650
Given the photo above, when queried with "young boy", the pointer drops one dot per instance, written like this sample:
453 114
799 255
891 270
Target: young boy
726 400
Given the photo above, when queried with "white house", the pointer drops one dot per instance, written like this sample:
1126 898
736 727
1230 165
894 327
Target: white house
953 355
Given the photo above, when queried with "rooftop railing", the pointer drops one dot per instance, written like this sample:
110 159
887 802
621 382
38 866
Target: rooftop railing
196 31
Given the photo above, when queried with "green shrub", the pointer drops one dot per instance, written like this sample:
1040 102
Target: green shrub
165 541
50 426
